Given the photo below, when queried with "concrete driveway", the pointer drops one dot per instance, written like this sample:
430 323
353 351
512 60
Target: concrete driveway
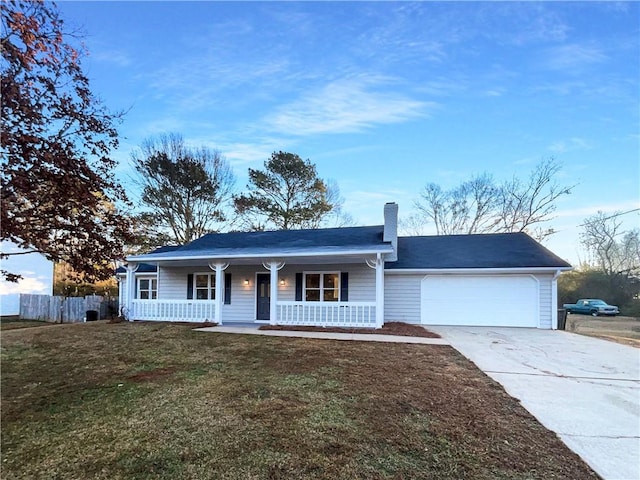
585 389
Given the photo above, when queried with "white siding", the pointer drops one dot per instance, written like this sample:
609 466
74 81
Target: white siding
402 298
243 297
546 308
172 284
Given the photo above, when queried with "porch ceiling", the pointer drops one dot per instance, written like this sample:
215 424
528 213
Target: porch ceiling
257 255
297 260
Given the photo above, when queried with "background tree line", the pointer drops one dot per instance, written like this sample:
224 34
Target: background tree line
611 269
186 192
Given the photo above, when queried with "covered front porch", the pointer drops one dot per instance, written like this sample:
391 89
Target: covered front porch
339 314
328 291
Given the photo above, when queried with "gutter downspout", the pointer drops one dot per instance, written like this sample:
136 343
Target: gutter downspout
554 300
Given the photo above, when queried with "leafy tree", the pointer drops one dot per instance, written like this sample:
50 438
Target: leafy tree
184 190
286 195
58 193
480 205
146 235
69 283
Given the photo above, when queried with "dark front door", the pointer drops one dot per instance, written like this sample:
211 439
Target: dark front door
263 292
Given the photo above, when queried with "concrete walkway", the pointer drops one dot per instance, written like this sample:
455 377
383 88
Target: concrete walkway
585 389
362 337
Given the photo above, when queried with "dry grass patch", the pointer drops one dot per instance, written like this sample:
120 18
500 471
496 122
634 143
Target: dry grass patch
15 323
118 401
625 330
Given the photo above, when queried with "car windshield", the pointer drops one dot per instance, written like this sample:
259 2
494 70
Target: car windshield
598 302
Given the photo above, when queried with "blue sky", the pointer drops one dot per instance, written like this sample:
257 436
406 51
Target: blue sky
385 97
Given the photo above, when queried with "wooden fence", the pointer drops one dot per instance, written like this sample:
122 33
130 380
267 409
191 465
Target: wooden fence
64 309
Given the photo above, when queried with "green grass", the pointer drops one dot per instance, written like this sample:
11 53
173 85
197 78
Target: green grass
150 401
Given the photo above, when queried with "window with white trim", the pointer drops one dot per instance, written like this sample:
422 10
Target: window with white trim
147 288
322 287
204 286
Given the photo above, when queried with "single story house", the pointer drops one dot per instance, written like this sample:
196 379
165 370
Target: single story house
350 276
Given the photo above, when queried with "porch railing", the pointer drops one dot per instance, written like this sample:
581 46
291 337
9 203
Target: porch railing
173 310
327 314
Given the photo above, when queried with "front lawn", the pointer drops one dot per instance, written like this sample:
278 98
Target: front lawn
121 401
13 323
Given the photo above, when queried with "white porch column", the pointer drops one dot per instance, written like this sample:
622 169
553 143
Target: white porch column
273 266
273 307
379 291
130 294
219 267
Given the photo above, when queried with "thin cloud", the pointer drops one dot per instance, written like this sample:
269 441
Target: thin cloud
358 202
26 285
344 106
535 23
494 92
568 145
114 57
243 154
573 56
587 211
443 87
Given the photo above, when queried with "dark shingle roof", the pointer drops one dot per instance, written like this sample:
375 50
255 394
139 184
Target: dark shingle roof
322 237
147 268
142 268
282 242
499 250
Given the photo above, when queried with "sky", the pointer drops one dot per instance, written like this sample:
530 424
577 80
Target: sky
385 97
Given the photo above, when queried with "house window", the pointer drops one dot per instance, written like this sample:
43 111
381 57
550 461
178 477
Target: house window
322 287
204 286
147 288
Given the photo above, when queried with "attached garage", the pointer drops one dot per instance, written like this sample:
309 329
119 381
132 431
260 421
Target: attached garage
489 280
480 300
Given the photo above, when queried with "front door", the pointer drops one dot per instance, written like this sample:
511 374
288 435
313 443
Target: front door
263 293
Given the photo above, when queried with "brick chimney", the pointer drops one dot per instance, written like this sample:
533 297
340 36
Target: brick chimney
391 229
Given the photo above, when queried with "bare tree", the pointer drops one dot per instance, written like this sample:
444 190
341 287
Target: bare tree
612 250
526 205
337 217
468 208
413 225
184 191
479 205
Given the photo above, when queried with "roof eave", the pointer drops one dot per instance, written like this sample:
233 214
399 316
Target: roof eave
261 256
452 271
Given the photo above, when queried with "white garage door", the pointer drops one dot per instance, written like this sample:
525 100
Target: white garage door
505 301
